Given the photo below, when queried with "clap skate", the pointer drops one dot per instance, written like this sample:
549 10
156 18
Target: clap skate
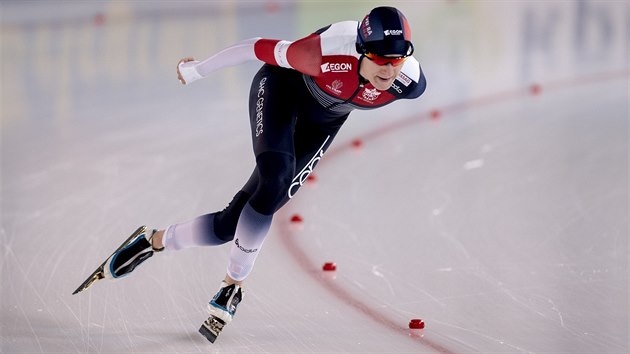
135 250
222 309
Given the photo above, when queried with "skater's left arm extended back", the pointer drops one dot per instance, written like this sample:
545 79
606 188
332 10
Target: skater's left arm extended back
189 70
303 55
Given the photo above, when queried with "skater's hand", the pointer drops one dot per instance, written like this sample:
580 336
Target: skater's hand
179 74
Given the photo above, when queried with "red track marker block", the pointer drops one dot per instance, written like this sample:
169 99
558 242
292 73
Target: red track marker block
271 6
296 218
416 324
98 19
311 178
357 143
435 114
535 89
329 267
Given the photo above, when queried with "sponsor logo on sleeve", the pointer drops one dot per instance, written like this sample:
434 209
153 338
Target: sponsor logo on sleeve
404 79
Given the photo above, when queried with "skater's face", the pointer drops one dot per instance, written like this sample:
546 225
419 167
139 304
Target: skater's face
379 72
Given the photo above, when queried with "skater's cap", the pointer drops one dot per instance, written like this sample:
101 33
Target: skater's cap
384 31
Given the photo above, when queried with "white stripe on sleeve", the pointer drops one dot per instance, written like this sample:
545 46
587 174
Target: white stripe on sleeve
280 54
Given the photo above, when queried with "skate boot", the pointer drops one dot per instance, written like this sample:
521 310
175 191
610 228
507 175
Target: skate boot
135 250
221 309
131 255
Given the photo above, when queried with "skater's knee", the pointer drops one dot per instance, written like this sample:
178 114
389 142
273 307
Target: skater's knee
275 173
275 164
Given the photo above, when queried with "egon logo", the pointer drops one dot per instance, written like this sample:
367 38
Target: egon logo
336 67
393 32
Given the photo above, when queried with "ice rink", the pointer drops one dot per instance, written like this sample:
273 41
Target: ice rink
494 207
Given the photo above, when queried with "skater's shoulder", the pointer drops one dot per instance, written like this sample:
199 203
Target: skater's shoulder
412 78
339 38
342 28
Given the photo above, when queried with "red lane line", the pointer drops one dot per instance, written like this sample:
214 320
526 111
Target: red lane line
309 266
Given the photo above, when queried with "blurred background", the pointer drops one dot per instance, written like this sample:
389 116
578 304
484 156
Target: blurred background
495 207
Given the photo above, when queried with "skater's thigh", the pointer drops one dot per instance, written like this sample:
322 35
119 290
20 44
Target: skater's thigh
312 139
311 142
272 110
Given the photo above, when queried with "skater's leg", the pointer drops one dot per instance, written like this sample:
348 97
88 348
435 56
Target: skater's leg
275 186
272 107
277 183
250 233
272 114
206 230
272 121
274 171
193 233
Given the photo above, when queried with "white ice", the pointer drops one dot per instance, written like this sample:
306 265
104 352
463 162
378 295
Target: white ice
501 220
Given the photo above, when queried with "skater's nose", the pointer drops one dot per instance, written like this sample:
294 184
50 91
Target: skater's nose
387 69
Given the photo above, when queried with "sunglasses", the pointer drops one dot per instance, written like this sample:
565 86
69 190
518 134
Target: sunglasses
382 60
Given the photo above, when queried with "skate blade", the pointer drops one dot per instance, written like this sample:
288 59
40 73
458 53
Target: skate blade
98 273
208 334
211 328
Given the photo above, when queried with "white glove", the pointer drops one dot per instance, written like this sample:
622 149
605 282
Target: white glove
188 71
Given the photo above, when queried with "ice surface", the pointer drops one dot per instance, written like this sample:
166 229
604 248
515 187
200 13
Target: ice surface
502 223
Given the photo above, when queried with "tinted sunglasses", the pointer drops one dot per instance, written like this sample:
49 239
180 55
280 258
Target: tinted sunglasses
382 60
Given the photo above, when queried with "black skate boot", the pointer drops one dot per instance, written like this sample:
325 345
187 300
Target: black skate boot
222 309
135 250
125 260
